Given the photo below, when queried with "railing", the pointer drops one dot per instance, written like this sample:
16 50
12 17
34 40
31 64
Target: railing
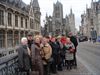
8 64
8 51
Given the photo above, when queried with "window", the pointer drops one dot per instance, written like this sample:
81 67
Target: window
9 19
31 23
2 39
1 17
26 23
57 8
16 20
16 38
10 39
22 22
57 15
21 34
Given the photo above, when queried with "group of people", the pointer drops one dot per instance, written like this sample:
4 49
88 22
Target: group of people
40 55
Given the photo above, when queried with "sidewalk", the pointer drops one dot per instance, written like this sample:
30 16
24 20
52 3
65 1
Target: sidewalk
81 70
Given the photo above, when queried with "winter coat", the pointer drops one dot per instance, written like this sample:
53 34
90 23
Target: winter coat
68 53
30 42
37 64
23 58
60 52
46 53
74 41
55 48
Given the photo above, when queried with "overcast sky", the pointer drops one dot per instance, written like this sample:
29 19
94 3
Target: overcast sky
78 7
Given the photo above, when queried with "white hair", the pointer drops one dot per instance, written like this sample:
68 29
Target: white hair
23 39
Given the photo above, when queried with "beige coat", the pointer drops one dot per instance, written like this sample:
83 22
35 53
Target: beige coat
46 52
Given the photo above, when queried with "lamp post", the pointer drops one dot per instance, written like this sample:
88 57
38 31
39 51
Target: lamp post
50 26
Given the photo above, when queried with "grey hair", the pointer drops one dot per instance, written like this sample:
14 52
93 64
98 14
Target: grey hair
23 39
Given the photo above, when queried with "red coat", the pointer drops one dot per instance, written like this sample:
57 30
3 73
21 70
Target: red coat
63 40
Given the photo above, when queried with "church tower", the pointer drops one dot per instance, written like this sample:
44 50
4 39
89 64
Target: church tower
37 15
72 21
58 17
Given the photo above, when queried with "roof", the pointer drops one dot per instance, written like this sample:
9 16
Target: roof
35 4
17 3
58 3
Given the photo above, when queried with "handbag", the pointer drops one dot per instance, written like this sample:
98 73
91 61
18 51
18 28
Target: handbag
34 73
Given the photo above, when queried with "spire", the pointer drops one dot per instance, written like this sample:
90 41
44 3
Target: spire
31 2
92 4
35 4
31 8
71 11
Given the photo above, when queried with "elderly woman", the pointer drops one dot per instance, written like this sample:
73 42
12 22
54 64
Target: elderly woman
69 50
46 52
24 56
37 64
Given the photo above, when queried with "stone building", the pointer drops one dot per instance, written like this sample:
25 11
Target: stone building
16 20
91 18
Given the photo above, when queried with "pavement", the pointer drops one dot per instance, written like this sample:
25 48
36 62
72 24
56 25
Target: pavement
81 70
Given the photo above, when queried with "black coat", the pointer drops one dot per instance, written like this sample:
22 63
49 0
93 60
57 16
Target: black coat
74 41
30 42
23 58
55 48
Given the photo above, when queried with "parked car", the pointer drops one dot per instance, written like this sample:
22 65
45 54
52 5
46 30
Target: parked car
83 38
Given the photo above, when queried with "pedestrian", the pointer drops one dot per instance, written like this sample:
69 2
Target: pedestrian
30 42
37 64
75 42
63 41
46 52
69 51
93 35
55 49
60 51
24 56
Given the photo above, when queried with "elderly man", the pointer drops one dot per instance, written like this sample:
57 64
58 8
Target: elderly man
24 56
